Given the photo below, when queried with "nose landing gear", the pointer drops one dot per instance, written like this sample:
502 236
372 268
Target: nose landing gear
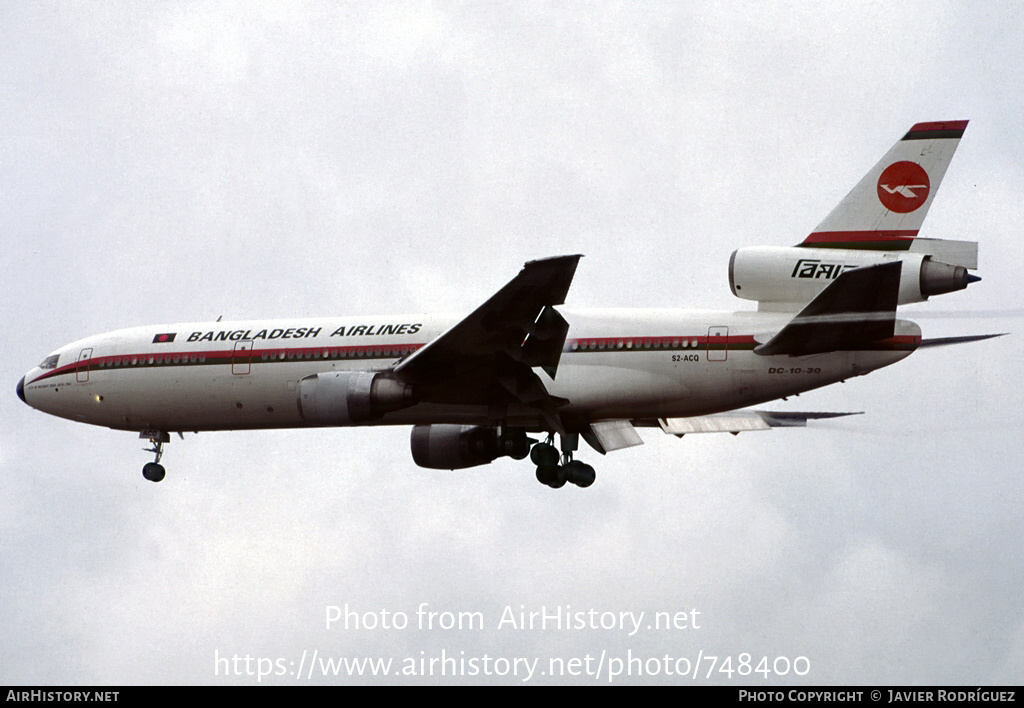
154 471
555 475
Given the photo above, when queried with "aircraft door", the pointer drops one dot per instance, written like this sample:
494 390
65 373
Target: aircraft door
241 358
718 343
82 372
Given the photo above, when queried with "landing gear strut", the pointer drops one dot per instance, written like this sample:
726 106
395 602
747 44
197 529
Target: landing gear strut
154 471
555 475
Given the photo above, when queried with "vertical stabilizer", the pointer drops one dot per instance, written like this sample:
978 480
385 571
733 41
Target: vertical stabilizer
887 207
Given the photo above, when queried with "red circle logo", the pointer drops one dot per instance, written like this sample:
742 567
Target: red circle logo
903 187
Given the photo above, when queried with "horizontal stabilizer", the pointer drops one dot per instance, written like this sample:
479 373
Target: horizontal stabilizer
945 341
857 308
957 253
741 421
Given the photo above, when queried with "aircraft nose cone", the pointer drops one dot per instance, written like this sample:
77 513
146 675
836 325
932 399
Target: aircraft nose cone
21 390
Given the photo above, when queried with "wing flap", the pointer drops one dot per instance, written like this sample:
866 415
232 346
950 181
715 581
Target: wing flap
609 435
732 422
742 421
543 345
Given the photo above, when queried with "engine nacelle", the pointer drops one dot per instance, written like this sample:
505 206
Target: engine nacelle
796 275
351 397
456 447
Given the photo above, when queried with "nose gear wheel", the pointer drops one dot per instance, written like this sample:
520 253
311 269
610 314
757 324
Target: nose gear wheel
154 471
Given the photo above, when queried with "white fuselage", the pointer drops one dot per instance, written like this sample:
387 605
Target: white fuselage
616 364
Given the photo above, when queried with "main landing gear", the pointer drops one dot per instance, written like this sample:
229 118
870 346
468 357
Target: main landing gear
555 475
154 471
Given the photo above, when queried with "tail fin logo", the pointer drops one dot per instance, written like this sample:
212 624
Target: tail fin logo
903 187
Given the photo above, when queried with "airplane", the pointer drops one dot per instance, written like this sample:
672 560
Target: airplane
477 388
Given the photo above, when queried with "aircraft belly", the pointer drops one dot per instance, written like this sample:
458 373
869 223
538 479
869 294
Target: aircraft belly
190 399
63 397
622 384
772 377
653 384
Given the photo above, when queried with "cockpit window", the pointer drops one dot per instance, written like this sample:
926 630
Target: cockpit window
50 362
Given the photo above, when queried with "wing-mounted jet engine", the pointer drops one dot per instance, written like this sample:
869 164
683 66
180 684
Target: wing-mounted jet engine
454 447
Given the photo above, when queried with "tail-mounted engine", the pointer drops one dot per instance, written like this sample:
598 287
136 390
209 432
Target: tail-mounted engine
456 447
351 397
776 276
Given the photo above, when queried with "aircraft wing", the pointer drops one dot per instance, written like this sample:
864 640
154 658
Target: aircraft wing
488 357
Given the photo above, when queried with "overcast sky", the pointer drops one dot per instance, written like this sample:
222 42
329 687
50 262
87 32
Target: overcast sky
171 162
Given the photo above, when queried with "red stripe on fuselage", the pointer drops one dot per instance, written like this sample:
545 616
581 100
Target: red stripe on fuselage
225 357
634 343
